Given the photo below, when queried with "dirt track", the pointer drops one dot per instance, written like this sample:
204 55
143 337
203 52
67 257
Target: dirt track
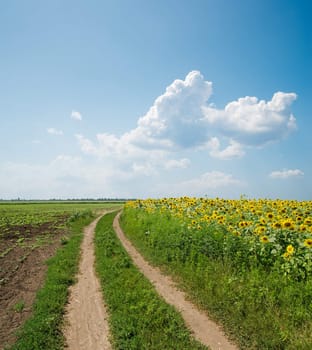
203 329
86 316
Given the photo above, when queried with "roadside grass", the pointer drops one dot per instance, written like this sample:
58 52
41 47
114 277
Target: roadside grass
139 318
44 329
260 309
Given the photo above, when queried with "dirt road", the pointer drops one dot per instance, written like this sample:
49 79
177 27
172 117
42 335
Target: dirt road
87 326
86 317
203 329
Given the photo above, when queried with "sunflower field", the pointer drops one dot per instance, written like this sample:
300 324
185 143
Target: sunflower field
248 262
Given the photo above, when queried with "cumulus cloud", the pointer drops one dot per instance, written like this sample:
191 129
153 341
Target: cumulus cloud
253 122
234 150
76 115
285 174
54 131
176 117
182 119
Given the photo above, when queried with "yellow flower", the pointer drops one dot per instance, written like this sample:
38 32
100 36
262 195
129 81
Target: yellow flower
308 221
303 227
288 224
264 239
277 225
308 242
290 249
286 256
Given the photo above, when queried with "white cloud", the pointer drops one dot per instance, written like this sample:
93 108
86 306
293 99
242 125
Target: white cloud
76 115
63 177
213 183
211 180
54 131
285 174
234 150
253 122
182 119
176 164
176 117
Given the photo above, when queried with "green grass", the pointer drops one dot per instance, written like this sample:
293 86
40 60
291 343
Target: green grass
19 306
44 329
260 308
139 318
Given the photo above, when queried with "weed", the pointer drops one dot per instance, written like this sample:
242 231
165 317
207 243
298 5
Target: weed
19 306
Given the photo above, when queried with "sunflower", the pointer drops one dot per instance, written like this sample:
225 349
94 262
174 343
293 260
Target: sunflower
290 249
308 221
308 242
288 224
277 225
286 256
264 239
303 227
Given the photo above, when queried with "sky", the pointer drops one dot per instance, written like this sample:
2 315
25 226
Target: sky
166 98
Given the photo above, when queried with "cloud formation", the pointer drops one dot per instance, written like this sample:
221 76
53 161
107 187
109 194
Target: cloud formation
253 122
54 131
285 174
212 183
182 119
76 115
233 150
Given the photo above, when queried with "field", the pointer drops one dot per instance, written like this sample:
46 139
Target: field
246 262
30 233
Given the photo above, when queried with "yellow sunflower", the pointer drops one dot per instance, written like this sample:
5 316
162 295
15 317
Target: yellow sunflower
290 249
308 242
264 239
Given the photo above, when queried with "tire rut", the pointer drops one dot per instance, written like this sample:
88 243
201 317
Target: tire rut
203 329
86 317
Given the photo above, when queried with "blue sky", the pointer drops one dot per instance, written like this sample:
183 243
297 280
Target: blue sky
155 98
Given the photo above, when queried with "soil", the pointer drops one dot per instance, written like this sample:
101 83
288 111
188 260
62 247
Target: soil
22 272
86 316
203 329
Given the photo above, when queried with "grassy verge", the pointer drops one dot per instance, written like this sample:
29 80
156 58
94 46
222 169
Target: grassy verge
139 318
44 329
261 309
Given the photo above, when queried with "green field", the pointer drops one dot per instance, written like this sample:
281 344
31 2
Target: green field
247 263
31 232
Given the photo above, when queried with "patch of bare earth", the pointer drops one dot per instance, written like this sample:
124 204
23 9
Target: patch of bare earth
24 250
203 329
86 317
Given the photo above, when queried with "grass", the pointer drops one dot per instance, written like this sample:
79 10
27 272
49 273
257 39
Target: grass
139 318
19 306
44 329
260 308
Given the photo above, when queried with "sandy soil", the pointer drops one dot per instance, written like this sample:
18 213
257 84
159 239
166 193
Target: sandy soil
203 329
86 317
